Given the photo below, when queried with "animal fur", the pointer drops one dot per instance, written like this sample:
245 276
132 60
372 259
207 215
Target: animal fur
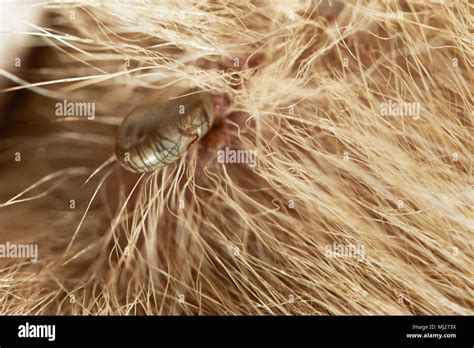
349 210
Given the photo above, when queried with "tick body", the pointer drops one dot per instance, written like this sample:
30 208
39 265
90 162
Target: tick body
155 135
